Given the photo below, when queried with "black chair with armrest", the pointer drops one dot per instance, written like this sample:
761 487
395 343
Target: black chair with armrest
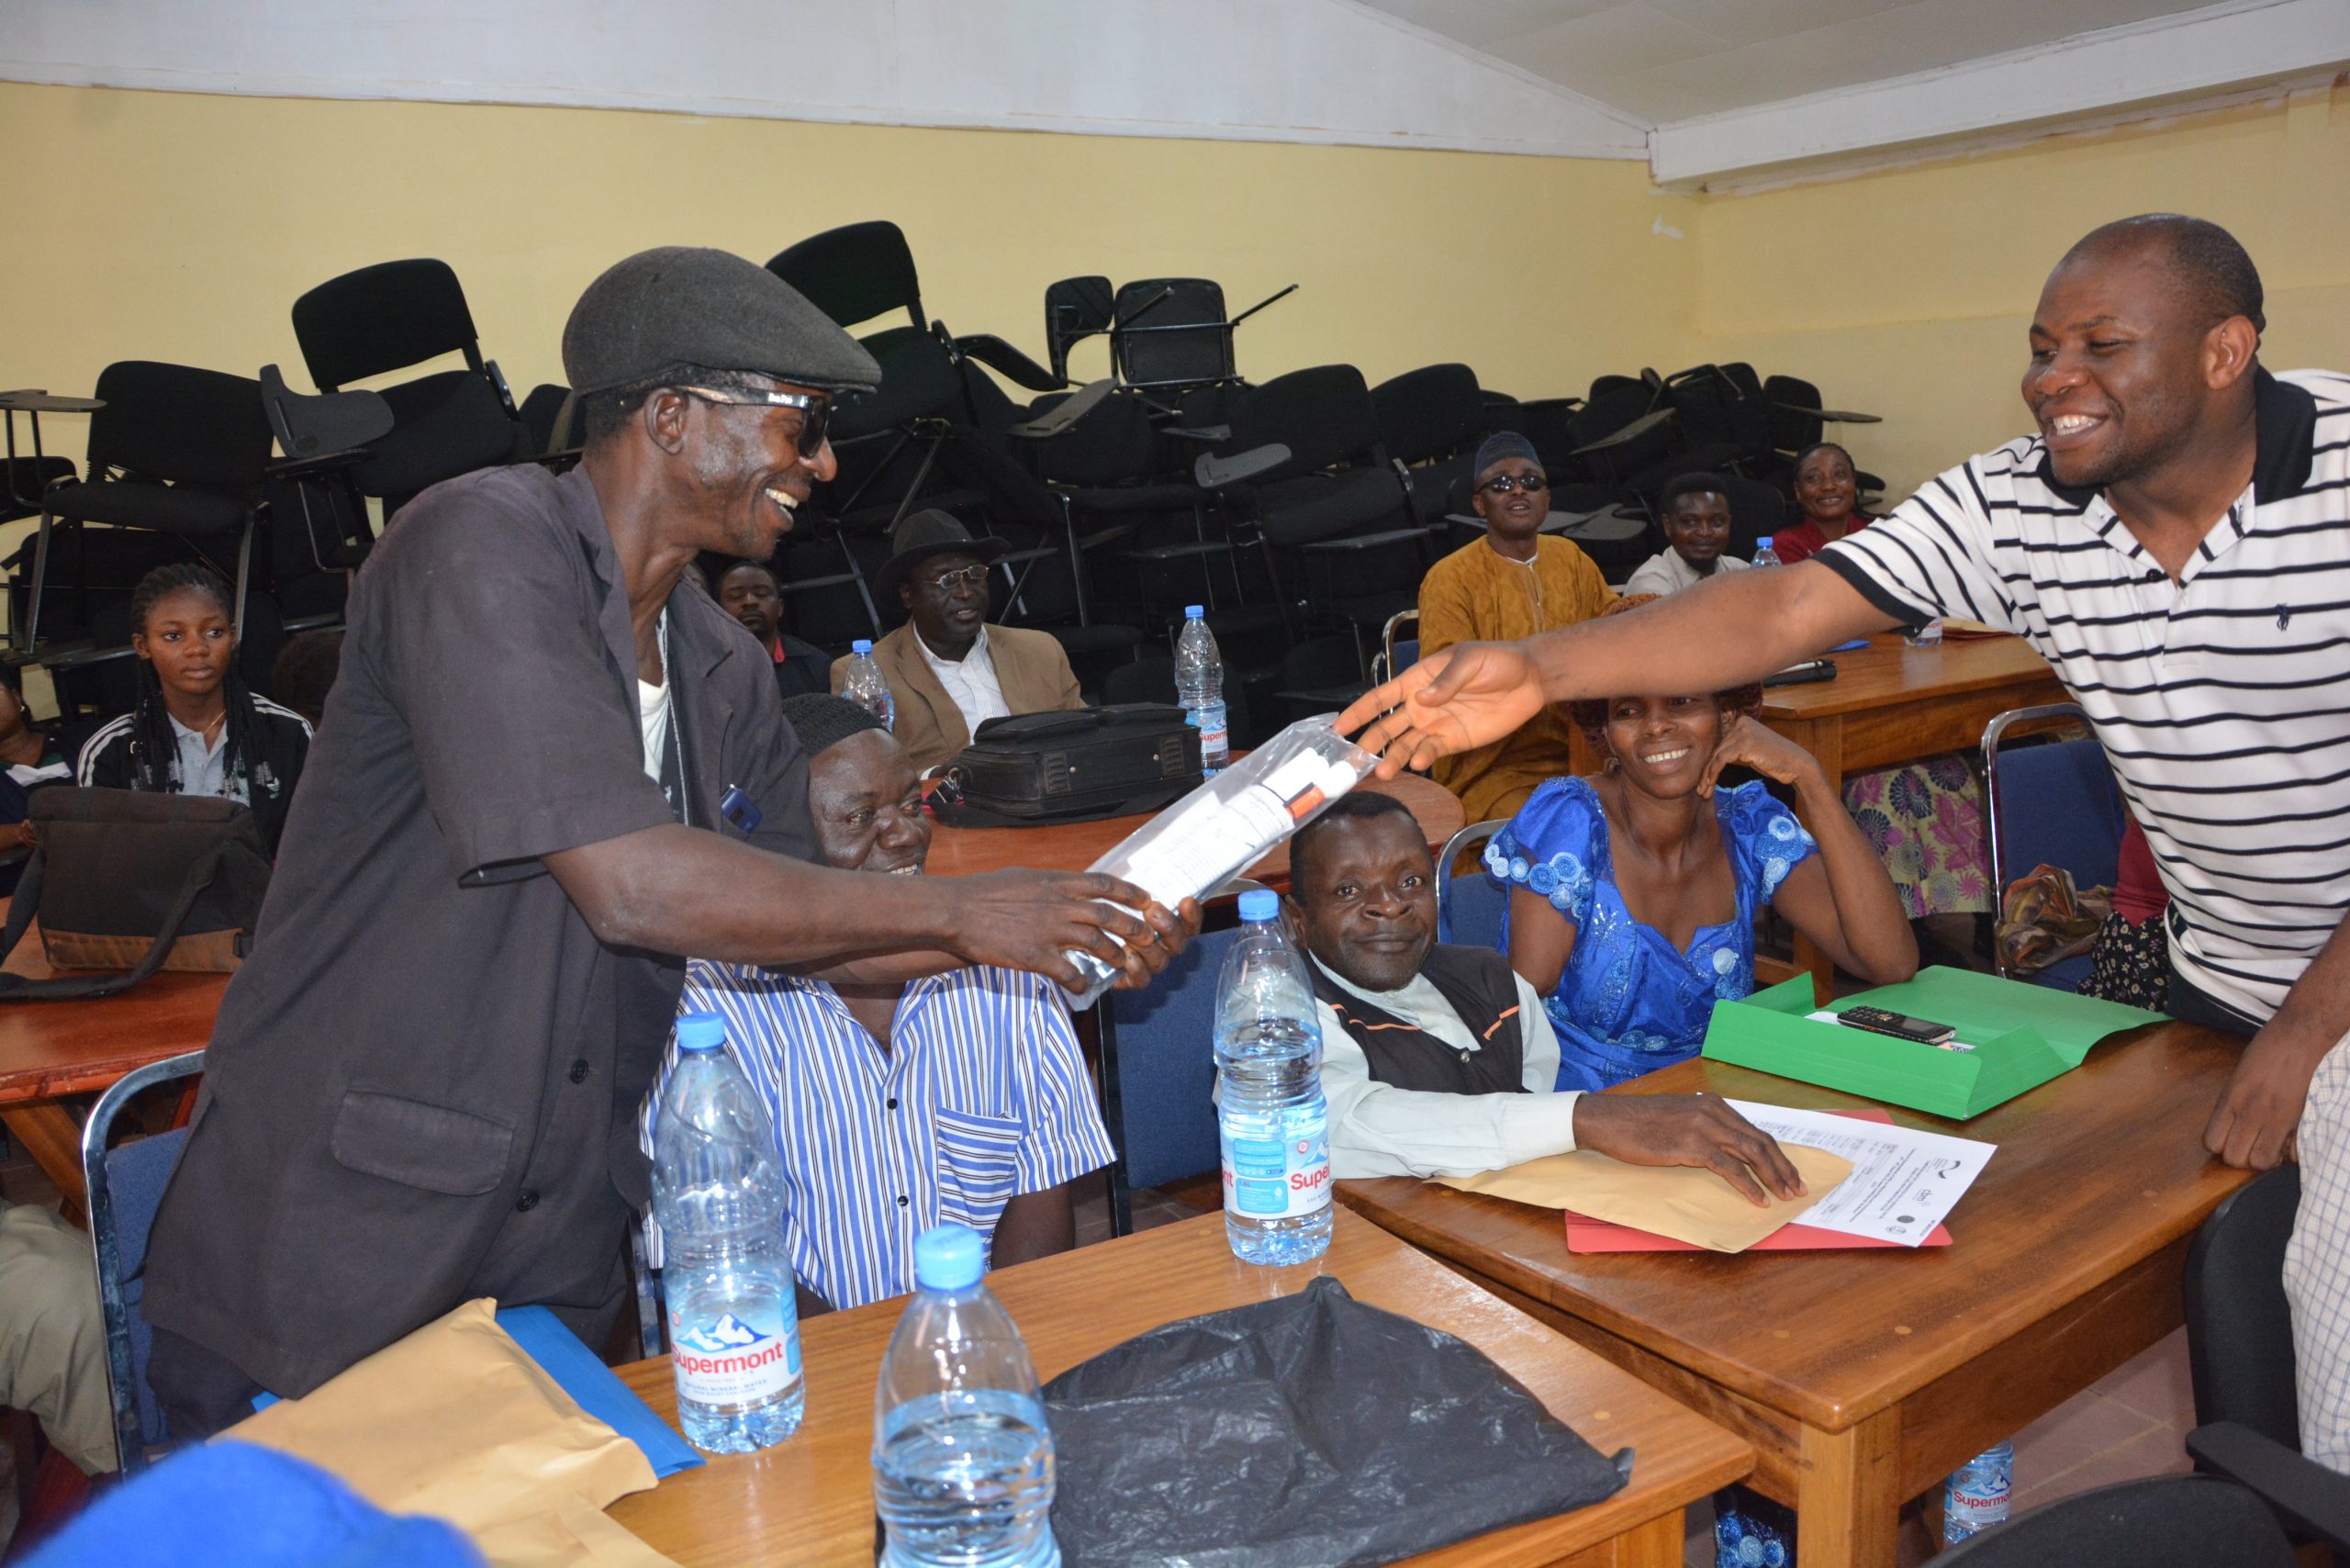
176 463
325 438
1171 334
2243 1366
392 317
1432 420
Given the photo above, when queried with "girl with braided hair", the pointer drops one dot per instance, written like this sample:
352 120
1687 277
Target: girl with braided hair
196 729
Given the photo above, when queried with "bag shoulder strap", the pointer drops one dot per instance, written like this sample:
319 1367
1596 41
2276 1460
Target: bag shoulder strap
18 987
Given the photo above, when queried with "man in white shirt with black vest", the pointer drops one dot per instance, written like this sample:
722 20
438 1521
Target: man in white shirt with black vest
1437 1061
2176 542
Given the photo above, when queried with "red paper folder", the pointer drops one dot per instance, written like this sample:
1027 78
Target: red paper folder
1587 1235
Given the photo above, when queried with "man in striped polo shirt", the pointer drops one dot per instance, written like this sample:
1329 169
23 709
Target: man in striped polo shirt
2176 542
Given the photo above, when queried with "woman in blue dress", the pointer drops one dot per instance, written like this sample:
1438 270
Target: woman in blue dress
1633 893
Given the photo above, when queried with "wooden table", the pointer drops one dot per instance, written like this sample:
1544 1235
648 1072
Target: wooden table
52 1049
1892 703
1072 847
1862 1378
810 1501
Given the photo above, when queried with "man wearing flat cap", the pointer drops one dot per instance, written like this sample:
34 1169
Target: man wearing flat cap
552 771
948 671
1516 575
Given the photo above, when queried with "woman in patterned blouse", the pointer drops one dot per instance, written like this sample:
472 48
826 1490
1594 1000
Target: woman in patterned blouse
1633 894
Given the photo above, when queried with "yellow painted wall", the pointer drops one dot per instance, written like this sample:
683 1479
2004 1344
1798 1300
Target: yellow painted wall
182 227
1908 293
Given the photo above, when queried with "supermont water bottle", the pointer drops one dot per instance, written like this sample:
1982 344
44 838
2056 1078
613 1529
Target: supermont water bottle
1199 687
1764 554
1978 1493
1274 1120
962 1456
718 1193
863 684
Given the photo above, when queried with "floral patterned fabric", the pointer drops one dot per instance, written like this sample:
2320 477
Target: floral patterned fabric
1925 820
1629 1002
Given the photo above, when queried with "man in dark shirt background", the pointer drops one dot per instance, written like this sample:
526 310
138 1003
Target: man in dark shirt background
544 777
748 591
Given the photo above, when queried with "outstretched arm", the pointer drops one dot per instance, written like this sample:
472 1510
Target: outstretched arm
1738 627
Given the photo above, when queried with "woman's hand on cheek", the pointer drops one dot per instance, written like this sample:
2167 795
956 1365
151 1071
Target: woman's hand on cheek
1755 745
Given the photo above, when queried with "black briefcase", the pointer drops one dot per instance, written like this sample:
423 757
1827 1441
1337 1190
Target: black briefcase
1072 765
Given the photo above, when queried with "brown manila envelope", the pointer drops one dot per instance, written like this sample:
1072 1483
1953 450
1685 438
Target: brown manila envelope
1683 1201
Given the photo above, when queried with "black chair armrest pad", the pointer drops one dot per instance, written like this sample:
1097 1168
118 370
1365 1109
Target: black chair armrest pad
1215 473
2305 1492
1001 357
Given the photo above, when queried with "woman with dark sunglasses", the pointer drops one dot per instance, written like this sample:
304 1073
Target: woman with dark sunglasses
1514 582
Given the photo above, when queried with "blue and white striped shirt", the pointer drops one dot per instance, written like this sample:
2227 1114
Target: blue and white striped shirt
981 1096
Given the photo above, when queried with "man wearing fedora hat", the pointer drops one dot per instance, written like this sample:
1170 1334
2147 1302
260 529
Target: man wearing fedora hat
555 769
948 671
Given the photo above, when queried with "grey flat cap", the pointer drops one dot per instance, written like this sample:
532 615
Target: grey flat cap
681 306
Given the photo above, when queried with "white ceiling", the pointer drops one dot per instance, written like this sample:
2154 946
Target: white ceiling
1660 61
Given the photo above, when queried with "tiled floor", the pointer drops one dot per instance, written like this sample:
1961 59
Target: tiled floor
2132 1424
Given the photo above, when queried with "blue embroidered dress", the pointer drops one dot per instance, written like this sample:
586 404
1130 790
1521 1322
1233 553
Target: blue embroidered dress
1631 1003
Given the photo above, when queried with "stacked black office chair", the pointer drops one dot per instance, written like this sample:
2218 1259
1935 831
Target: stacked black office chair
392 317
177 458
1432 420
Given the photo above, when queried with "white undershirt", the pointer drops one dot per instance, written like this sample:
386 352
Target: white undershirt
653 709
970 681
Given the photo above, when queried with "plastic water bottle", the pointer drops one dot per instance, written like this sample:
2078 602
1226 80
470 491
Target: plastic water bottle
1274 1122
1764 554
962 1457
1926 636
1977 1495
1199 687
863 684
718 1193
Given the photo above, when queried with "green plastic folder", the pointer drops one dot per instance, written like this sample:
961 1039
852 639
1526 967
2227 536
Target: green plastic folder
2023 1035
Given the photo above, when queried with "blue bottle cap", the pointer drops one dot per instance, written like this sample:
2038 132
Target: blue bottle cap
700 1032
1762 542
949 1258
862 646
1195 613
1260 903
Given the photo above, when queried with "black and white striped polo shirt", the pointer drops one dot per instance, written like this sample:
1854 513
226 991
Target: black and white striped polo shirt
2223 699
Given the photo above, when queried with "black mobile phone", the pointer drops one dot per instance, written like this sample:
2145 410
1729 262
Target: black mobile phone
1877 1021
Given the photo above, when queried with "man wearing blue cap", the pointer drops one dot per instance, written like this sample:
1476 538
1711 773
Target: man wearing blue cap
1514 582
550 771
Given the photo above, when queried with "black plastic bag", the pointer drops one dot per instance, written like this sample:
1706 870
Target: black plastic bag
1304 1432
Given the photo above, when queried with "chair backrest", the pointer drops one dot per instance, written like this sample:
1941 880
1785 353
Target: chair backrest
1171 331
1075 309
854 272
2053 803
1701 397
1158 1071
126 1187
382 319
1786 398
2171 1521
1144 681
1429 413
2239 1327
1469 907
1323 414
1750 412
178 424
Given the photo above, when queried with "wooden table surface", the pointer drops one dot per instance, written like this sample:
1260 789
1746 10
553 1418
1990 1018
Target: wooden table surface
810 1500
1863 1377
1072 847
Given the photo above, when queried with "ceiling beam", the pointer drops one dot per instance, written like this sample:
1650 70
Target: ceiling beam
2157 64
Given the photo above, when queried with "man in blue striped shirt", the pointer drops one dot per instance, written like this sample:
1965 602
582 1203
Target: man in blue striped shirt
896 1106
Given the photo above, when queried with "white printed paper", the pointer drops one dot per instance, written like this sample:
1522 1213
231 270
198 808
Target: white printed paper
1904 1181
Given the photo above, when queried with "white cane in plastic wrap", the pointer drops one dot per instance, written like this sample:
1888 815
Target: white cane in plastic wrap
1228 823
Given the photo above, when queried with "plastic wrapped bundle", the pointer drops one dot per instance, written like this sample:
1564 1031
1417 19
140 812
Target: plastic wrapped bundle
1231 821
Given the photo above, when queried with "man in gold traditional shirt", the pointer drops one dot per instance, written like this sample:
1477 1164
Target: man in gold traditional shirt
1514 582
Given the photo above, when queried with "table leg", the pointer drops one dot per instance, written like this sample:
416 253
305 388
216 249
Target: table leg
51 1136
1824 738
1848 1494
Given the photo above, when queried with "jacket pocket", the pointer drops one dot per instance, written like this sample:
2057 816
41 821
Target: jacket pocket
978 1167
421 1145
